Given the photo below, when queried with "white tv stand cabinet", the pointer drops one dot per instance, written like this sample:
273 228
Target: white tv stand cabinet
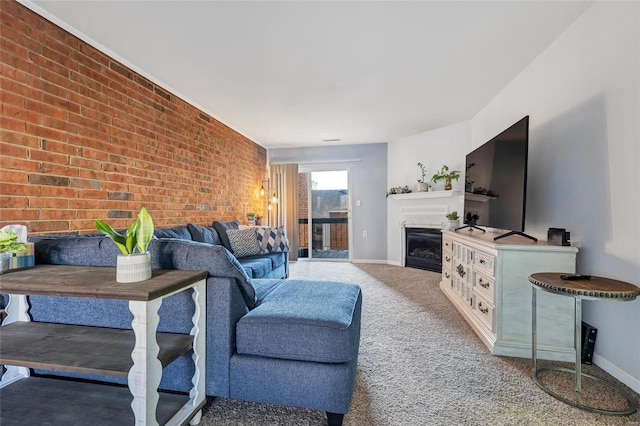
487 281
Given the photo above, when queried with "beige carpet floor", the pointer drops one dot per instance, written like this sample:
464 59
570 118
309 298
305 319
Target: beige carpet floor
421 364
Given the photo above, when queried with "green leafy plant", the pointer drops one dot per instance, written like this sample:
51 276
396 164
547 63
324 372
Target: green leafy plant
137 237
445 174
423 171
258 217
9 243
453 215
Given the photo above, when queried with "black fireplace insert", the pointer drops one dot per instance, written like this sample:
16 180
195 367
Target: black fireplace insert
423 248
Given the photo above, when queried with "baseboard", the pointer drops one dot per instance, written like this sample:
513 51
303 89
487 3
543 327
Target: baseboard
393 262
383 262
615 371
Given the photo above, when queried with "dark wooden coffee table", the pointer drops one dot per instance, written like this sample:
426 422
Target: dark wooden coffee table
595 288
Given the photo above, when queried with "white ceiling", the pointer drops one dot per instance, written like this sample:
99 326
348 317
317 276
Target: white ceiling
293 73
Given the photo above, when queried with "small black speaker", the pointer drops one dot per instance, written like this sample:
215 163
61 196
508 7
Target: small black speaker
558 237
589 334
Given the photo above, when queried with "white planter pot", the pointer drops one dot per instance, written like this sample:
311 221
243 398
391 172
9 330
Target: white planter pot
131 268
422 187
451 224
5 258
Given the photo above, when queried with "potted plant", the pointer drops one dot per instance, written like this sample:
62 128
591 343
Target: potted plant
251 219
258 220
398 190
9 245
446 175
422 185
453 220
134 263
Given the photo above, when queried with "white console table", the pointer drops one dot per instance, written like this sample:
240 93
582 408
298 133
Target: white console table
137 355
487 281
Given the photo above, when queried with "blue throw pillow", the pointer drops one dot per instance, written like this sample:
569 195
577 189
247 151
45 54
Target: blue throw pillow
204 234
222 227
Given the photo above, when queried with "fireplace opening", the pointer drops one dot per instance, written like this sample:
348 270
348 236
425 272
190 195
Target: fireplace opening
423 248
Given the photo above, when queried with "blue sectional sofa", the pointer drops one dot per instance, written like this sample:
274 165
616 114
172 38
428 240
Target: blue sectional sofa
269 265
282 341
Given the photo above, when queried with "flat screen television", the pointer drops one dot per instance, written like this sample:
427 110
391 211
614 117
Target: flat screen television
496 182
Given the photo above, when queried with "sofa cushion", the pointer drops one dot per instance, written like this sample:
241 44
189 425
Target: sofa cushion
273 240
222 227
181 232
277 259
204 234
265 287
256 266
303 320
243 242
78 250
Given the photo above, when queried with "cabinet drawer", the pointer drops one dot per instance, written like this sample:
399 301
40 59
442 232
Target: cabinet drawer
447 261
484 310
484 285
485 263
446 276
447 245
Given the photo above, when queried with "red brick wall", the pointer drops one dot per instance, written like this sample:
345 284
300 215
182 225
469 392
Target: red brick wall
83 137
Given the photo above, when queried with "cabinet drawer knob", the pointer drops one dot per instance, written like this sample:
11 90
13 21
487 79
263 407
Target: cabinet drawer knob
481 309
461 271
483 284
447 258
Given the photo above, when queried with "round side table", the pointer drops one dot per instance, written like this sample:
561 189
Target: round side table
595 288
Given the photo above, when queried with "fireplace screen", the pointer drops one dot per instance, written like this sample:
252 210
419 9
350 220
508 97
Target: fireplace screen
423 248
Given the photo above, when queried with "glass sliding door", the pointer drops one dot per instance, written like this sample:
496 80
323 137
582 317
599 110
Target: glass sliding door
324 214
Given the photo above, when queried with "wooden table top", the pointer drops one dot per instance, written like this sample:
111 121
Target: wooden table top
96 283
595 287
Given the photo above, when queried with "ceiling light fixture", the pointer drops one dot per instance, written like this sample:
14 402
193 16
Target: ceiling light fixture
331 140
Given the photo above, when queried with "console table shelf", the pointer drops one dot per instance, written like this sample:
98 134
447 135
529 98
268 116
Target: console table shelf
138 354
80 349
66 402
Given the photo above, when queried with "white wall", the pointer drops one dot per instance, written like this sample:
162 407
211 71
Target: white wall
447 145
583 97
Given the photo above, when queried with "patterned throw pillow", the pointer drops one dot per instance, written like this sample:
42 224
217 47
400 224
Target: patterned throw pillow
272 240
243 242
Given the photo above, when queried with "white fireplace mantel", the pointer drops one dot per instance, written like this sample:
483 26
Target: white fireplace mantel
421 195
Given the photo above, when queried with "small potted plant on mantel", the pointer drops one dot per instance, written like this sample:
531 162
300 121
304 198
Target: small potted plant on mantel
422 185
446 175
134 263
453 220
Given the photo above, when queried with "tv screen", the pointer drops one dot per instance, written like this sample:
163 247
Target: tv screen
496 180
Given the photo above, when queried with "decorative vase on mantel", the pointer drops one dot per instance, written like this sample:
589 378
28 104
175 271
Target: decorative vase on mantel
447 185
131 268
423 187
